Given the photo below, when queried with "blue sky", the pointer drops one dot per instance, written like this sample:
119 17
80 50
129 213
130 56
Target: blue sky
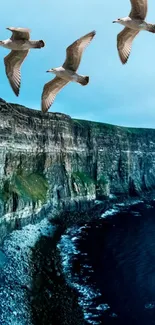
116 94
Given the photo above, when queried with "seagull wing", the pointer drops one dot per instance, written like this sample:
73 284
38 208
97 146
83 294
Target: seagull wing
139 9
124 43
13 62
74 51
50 91
19 33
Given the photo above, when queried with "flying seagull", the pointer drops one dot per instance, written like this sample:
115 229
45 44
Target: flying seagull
133 25
67 72
20 44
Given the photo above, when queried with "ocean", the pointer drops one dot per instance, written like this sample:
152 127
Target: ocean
111 263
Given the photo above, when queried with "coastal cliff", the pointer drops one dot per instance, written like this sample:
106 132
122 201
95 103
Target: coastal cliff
51 164
52 161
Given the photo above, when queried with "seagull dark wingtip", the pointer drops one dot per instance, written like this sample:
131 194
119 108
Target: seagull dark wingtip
44 110
124 61
17 93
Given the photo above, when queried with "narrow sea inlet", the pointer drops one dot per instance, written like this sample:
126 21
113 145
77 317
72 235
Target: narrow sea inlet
111 262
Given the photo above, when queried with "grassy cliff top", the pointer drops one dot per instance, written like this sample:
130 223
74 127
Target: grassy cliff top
112 127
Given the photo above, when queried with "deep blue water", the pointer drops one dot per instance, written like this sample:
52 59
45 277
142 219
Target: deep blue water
112 264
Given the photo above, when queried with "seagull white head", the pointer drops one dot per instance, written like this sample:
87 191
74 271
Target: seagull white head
122 21
119 20
51 70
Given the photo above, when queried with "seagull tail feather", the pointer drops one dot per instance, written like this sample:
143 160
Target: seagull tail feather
151 28
83 80
37 44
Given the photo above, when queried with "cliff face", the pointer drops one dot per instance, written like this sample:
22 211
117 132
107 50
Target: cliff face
52 160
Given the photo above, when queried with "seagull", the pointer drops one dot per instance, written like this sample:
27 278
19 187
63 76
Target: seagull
134 23
67 72
20 44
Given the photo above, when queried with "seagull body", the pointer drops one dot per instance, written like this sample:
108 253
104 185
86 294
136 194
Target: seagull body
20 44
69 75
67 72
134 23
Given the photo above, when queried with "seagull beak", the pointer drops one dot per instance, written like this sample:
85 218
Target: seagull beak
50 70
114 21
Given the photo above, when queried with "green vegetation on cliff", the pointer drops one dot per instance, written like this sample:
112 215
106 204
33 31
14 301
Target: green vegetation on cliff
83 183
28 187
111 127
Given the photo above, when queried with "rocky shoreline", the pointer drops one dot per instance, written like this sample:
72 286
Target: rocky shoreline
33 288
16 272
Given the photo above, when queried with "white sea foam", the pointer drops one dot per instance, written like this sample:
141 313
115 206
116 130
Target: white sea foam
121 204
150 305
87 293
74 238
103 307
113 315
135 202
109 212
149 206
